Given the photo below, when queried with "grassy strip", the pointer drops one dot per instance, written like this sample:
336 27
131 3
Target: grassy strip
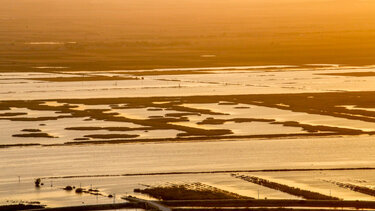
110 136
276 203
34 135
213 121
30 119
306 194
356 188
8 114
164 72
208 172
116 206
81 79
13 207
195 138
253 209
305 127
317 128
194 191
109 128
31 130
353 74
18 145
181 114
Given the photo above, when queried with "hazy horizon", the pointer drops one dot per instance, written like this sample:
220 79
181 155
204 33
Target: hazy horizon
242 32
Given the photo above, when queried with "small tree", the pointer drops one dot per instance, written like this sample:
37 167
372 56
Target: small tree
37 182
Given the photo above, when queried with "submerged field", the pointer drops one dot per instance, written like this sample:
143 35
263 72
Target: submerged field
123 118
275 132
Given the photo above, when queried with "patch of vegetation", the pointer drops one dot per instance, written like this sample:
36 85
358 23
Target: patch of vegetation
21 206
241 107
110 136
194 191
7 114
18 145
352 74
356 188
156 117
81 139
154 109
31 130
108 128
317 128
24 119
227 103
79 190
83 190
313 103
34 135
38 182
181 114
82 78
306 194
305 127
68 188
213 132
213 121
167 72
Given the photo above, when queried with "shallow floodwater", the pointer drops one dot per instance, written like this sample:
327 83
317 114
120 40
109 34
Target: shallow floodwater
218 81
101 165
196 156
33 162
284 115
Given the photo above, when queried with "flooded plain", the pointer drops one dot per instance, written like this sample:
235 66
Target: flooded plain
248 99
310 127
224 81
